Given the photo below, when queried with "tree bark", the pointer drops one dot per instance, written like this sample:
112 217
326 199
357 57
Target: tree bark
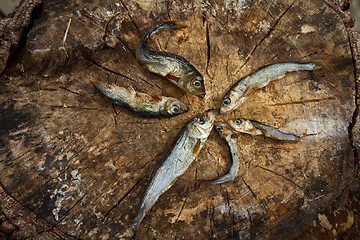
79 165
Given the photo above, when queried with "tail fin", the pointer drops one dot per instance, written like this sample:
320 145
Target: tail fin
309 66
158 27
112 92
138 219
222 179
102 87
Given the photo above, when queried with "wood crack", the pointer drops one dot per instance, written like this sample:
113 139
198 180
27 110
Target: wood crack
183 205
253 193
70 91
231 214
266 36
116 114
121 199
66 213
302 101
208 47
308 55
126 46
280 175
64 106
26 152
355 114
128 12
116 73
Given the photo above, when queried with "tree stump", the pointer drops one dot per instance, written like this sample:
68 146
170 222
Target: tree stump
81 164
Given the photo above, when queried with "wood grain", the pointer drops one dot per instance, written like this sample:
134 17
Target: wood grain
81 164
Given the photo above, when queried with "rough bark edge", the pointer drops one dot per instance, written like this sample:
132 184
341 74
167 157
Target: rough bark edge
343 9
355 49
350 194
14 30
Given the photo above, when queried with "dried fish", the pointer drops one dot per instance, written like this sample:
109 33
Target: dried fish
186 147
255 128
230 137
246 86
171 66
142 103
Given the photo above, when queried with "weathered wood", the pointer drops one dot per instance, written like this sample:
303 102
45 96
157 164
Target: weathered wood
13 30
81 164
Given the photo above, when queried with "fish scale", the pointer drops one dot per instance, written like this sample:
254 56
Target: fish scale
168 65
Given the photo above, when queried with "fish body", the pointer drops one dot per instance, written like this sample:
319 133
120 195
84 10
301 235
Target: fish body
230 137
142 103
171 66
246 86
255 128
186 147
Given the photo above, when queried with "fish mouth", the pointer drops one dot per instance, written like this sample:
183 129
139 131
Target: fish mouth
222 111
186 109
210 114
219 124
212 111
226 109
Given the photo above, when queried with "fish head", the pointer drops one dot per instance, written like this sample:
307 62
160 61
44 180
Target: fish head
229 102
240 124
201 125
174 107
224 130
195 83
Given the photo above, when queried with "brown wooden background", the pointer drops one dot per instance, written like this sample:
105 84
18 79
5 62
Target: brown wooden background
75 166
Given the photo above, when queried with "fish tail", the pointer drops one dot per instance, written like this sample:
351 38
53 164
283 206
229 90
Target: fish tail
277 134
308 66
139 218
112 92
102 87
158 27
292 137
222 179
286 137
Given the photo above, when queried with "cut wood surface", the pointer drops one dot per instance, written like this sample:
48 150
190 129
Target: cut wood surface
81 164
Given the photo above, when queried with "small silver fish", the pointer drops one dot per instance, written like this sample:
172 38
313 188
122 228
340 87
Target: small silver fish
246 86
142 103
255 128
230 137
186 147
171 66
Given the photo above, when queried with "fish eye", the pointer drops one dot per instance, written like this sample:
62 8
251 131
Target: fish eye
197 83
175 109
237 121
202 119
226 101
219 128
